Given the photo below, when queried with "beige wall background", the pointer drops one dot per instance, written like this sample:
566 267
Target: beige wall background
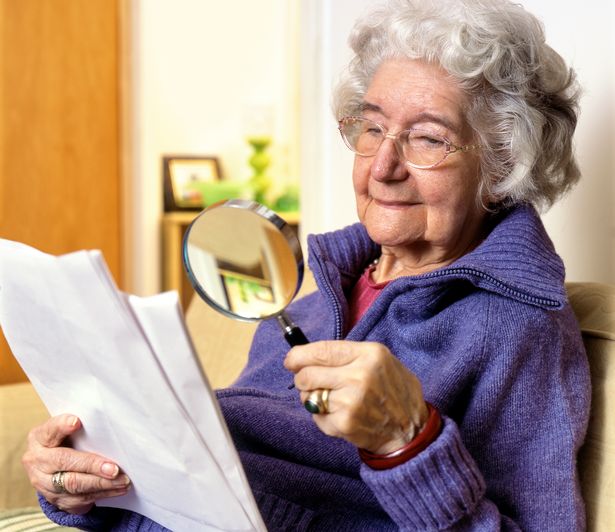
198 69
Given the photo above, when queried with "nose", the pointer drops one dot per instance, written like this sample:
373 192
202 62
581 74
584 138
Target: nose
387 164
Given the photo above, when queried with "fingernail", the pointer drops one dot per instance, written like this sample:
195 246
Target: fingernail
121 482
72 421
110 469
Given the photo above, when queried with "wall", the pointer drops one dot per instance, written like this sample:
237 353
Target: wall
327 197
582 225
198 67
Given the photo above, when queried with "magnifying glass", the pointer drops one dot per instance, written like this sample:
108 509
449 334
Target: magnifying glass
245 262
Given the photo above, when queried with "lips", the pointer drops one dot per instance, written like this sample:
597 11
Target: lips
393 204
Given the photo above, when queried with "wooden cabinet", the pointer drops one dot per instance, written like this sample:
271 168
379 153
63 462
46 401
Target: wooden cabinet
174 225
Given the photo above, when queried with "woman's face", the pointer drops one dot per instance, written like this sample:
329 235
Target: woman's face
429 214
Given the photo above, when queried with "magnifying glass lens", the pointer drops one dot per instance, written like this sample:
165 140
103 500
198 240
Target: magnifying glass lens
243 260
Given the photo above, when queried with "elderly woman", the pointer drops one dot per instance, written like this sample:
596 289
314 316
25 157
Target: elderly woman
446 380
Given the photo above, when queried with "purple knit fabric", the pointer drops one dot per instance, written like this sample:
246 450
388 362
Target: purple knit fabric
497 350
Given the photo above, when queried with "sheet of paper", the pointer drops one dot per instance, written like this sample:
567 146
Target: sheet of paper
85 351
162 321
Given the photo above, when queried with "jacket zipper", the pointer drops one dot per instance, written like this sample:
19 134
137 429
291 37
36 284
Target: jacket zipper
501 286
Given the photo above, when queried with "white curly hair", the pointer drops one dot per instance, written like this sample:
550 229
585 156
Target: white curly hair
524 98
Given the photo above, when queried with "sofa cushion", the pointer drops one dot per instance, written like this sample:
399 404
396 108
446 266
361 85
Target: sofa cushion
221 343
594 306
20 410
27 519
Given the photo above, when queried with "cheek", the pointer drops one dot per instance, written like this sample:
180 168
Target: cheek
360 180
455 189
360 174
437 193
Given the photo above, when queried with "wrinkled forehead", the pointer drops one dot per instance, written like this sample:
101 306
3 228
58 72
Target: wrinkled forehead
407 92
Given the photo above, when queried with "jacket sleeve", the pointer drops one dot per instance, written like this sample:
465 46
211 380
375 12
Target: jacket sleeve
95 519
102 519
508 461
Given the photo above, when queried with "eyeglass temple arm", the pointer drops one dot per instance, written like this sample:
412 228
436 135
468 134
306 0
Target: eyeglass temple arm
452 148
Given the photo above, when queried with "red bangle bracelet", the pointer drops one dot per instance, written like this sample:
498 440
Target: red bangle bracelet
430 432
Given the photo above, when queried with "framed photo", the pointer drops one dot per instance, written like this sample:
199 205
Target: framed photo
247 295
184 177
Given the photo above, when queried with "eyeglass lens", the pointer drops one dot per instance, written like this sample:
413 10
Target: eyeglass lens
419 148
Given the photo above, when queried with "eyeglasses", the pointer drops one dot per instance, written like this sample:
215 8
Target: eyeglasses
419 149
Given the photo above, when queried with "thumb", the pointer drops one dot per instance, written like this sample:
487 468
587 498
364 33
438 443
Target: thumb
56 429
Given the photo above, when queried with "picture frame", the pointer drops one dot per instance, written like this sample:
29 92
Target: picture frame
182 175
246 294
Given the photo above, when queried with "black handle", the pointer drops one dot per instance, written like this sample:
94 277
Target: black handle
294 336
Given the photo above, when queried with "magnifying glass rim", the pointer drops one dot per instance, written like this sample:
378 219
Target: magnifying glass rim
270 216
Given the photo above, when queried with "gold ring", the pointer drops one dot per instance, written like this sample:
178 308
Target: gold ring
57 479
317 402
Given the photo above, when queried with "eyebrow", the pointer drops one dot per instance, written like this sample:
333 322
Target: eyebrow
425 116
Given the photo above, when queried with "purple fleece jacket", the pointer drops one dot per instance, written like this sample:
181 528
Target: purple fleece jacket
497 350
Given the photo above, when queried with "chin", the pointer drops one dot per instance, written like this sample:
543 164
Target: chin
393 228
390 237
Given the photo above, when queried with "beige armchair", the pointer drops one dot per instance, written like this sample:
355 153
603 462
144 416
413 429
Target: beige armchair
594 305
222 345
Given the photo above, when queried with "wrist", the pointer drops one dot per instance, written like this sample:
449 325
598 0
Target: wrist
417 423
428 433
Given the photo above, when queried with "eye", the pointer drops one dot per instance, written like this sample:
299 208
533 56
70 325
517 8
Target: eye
420 140
369 128
367 125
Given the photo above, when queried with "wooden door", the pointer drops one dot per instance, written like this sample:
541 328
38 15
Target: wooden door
59 139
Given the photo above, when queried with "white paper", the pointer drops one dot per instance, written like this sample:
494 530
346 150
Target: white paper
126 367
162 320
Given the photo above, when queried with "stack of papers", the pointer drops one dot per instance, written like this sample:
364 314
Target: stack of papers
126 367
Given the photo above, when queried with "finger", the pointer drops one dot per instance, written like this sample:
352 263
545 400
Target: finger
365 375
44 461
82 483
353 399
74 481
66 459
325 353
331 378
80 504
55 430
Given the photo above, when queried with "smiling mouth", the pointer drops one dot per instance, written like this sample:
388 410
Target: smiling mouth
394 204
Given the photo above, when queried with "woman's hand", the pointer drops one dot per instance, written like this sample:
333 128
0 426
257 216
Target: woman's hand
375 402
88 476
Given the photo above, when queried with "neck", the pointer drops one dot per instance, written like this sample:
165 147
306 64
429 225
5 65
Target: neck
390 266
420 258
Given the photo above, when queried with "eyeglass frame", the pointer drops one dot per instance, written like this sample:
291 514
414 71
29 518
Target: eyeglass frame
450 148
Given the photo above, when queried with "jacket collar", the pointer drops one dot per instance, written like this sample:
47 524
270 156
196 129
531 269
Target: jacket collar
516 260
